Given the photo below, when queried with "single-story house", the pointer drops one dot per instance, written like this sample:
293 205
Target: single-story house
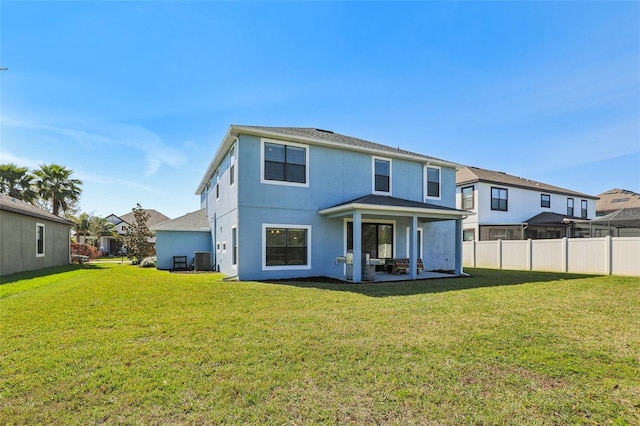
183 237
31 238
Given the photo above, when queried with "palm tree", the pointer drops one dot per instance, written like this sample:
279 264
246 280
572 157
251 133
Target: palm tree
56 186
81 226
17 182
99 227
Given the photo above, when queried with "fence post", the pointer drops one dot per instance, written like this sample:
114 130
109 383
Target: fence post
565 254
608 251
530 254
474 252
499 246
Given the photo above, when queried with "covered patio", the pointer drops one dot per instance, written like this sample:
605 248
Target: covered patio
621 223
370 208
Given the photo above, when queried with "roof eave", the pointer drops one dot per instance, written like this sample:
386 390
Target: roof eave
553 191
36 215
181 229
225 144
343 209
235 130
314 141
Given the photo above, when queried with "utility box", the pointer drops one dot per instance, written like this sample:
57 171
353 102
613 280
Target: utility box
202 261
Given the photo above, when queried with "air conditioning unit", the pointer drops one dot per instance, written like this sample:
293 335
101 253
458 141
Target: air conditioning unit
202 261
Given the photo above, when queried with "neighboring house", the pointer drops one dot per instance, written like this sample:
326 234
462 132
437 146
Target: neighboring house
31 238
509 207
620 223
113 245
615 200
183 236
617 215
287 202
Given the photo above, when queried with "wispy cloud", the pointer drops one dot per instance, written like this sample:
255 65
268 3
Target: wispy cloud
156 152
110 180
7 157
539 94
586 147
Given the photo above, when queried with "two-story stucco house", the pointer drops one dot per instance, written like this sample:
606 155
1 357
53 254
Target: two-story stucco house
286 202
509 207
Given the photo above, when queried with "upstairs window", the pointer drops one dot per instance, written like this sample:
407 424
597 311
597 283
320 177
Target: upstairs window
217 178
467 198
285 163
39 240
569 206
583 209
381 176
545 200
232 167
499 199
433 182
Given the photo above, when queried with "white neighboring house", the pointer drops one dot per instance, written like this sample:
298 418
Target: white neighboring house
509 207
113 245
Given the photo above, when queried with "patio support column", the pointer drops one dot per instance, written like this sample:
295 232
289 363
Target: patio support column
357 246
458 247
413 248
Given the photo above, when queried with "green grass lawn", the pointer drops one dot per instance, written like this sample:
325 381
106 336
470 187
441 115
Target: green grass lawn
111 343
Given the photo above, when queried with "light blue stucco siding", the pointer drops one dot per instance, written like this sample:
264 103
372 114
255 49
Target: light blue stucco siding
180 243
324 243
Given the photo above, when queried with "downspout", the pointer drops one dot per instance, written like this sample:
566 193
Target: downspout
215 241
236 144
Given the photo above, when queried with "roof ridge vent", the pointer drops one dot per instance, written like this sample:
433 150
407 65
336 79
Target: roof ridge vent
323 130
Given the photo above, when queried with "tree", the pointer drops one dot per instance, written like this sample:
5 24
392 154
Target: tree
55 186
17 182
99 227
81 227
138 236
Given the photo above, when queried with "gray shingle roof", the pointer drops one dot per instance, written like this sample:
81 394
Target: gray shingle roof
550 218
384 200
18 206
467 175
194 221
155 217
337 138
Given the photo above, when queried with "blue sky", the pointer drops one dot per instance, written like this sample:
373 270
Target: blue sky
136 96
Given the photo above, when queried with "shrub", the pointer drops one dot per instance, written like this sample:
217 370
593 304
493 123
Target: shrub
81 253
148 262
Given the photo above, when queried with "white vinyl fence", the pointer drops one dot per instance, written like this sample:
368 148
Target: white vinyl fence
607 256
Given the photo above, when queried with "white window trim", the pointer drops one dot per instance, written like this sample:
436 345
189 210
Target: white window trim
234 265
420 239
284 267
224 247
284 183
426 182
373 175
44 239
